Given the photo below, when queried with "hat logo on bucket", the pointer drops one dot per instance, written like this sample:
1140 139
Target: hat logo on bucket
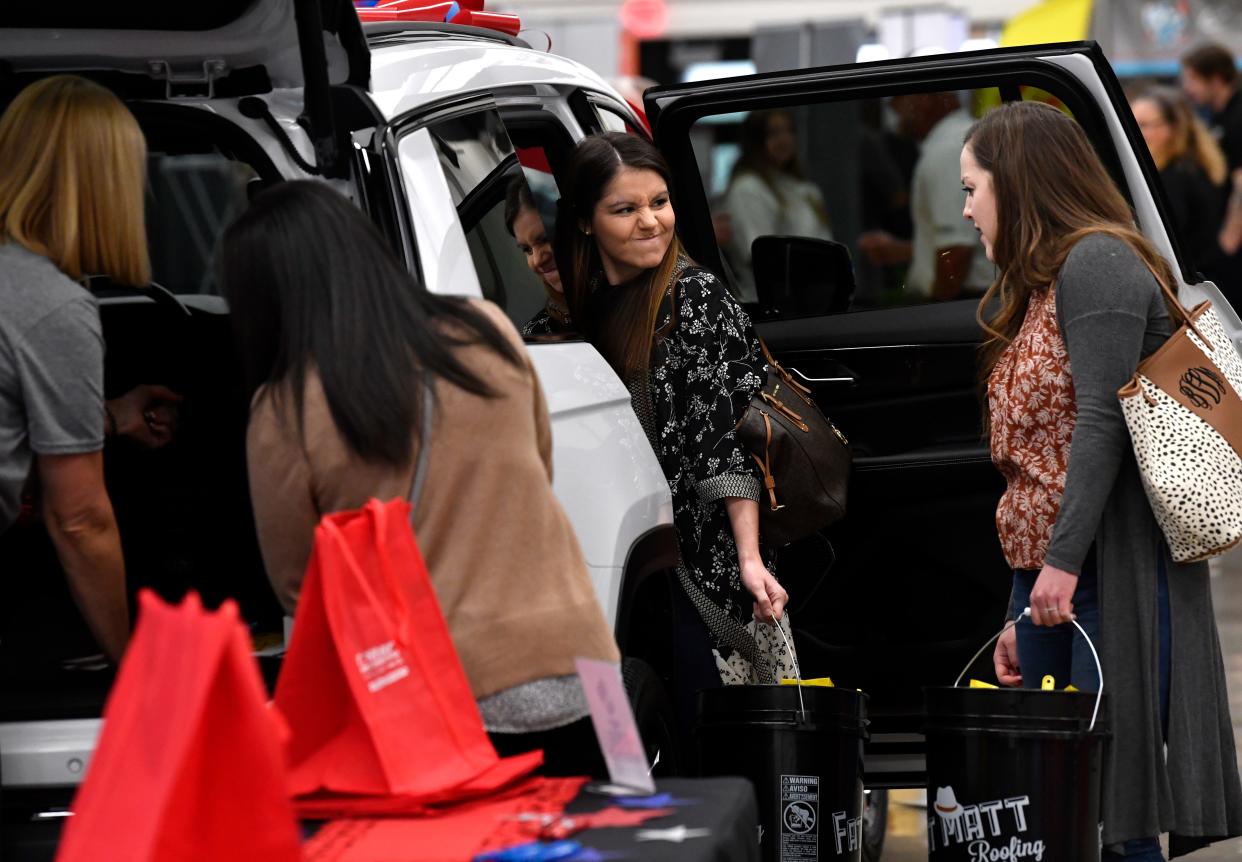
994 831
946 803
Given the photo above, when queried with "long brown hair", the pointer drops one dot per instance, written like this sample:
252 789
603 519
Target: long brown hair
627 332
753 158
74 179
1191 138
1051 190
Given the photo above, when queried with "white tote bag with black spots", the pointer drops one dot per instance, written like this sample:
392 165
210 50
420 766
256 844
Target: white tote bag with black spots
1185 418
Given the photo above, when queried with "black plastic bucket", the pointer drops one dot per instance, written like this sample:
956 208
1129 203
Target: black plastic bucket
804 757
1013 775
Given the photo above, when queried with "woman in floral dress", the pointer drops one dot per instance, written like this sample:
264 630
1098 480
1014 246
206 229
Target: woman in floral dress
691 359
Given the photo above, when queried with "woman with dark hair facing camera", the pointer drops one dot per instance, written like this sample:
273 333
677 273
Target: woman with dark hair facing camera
527 227
691 359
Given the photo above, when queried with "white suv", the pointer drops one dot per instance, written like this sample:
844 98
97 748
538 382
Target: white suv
426 127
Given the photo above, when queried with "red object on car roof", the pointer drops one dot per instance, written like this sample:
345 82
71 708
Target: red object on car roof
468 12
437 12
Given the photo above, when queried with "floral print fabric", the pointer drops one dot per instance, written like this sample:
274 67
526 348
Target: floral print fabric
1032 409
703 374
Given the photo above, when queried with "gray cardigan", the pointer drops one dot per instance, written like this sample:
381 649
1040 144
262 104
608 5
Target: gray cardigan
1111 313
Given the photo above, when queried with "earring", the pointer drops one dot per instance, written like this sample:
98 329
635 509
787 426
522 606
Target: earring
586 231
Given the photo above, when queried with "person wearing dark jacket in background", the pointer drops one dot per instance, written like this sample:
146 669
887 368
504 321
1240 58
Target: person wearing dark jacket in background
1192 170
1210 79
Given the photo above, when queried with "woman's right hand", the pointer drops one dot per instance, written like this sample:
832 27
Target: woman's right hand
1005 659
770 596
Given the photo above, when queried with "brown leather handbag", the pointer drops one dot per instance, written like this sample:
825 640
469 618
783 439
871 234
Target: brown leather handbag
805 460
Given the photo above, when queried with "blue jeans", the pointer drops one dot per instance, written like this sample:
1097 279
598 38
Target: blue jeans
1138 850
1062 652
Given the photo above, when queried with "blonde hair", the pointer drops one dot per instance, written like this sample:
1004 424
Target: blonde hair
1191 138
74 179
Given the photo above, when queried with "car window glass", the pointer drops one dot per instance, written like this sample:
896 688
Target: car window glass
506 201
867 195
191 198
612 121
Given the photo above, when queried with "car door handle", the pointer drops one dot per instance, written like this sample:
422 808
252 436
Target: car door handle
846 380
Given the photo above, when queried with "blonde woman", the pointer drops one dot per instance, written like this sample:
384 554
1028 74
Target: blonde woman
71 204
1192 170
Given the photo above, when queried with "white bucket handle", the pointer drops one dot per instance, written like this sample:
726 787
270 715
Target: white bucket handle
1026 613
793 657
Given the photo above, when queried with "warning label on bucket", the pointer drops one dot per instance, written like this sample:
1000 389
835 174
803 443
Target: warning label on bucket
799 818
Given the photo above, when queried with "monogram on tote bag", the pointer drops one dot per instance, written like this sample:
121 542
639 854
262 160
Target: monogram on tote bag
1185 419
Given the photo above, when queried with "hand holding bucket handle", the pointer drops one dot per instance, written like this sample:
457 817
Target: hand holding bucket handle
1026 612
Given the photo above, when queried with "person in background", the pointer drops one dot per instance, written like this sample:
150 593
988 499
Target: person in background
1077 304
71 205
691 359
769 193
527 227
1209 77
1192 170
331 428
945 262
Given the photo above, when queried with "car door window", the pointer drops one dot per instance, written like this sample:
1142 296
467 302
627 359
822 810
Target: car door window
191 198
614 121
866 193
503 197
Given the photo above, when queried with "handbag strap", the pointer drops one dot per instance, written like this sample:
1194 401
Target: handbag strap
1187 320
780 369
424 445
1174 302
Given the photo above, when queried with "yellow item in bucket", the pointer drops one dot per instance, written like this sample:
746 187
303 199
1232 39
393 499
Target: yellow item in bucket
821 682
1049 683
1070 688
978 683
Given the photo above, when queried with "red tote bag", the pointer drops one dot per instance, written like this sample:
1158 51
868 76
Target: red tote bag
189 765
372 689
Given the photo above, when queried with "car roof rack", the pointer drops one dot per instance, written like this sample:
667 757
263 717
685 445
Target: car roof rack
381 33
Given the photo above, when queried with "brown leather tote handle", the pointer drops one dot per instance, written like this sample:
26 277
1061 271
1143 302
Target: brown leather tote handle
1175 302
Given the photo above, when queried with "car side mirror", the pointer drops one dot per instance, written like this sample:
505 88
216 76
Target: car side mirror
797 276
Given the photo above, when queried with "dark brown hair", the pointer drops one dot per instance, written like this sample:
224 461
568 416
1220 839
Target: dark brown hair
753 158
313 286
517 198
626 333
1051 190
1211 60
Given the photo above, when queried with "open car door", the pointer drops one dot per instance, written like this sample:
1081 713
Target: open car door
918 583
159 50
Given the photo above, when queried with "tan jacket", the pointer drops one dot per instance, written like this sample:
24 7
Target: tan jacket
503 557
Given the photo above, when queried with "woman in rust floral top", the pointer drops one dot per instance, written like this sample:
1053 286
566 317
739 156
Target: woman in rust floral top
1076 307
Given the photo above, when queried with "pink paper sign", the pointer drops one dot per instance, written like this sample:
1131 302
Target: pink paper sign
614 724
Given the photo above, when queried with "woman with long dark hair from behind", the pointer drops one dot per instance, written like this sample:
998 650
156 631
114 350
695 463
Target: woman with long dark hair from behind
1078 303
691 360
339 343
